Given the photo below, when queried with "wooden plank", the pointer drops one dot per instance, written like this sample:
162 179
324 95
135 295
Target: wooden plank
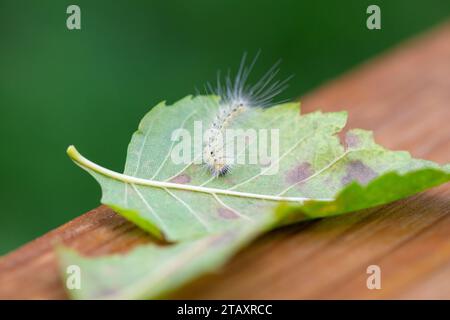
404 97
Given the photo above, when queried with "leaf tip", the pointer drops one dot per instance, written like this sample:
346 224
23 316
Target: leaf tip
72 152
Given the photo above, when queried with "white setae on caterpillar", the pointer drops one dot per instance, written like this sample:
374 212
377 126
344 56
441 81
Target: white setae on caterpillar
235 98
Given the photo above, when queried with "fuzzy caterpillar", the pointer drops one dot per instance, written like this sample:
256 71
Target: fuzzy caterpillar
235 98
214 149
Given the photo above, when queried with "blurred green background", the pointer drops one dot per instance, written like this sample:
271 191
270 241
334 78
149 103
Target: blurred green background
90 87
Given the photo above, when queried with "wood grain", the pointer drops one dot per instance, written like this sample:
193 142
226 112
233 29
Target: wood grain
404 97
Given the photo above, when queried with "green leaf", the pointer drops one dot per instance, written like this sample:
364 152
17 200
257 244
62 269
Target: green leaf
386 188
182 201
317 177
150 271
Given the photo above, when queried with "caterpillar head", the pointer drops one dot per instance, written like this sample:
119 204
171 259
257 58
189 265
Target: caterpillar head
215 160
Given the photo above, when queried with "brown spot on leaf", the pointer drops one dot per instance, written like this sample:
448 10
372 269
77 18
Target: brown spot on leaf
358 171
299 173
352 140
227 213
182 179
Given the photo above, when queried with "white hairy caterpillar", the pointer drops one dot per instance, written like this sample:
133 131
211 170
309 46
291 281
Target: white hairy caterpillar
235 98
